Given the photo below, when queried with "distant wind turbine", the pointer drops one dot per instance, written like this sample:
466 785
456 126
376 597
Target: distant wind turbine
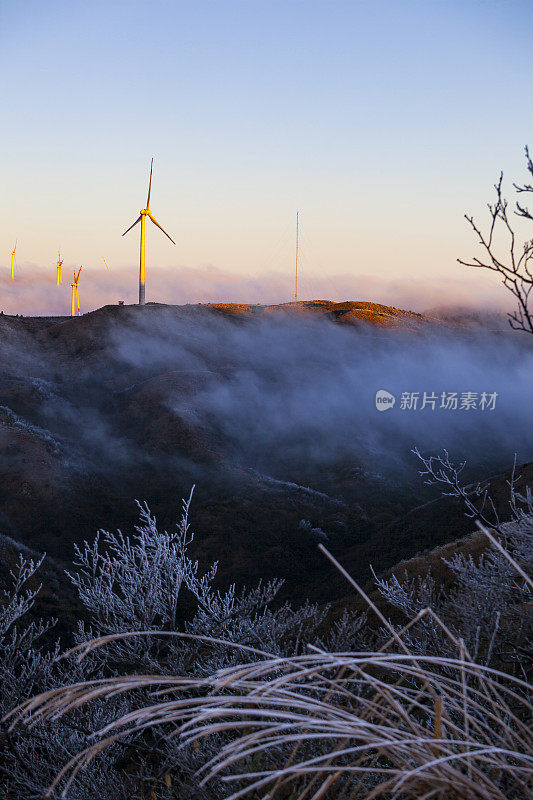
13 260
105 262
59 265
145 212
76 293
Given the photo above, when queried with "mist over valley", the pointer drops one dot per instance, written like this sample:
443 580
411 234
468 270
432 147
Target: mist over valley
269 410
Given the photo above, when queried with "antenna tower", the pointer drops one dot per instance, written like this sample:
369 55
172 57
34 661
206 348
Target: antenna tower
296 272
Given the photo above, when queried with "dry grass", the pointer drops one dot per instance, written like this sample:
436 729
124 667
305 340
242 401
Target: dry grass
389 724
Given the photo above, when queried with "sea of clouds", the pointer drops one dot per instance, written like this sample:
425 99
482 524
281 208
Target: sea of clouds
34 291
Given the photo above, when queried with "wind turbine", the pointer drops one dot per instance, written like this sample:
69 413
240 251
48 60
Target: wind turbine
75 293
59 265
145 212
13 260
105 262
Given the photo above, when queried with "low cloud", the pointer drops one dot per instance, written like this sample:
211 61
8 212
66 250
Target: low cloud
291 394
288 397
34 291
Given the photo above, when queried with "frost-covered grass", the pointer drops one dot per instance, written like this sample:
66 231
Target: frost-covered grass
175 689
242 700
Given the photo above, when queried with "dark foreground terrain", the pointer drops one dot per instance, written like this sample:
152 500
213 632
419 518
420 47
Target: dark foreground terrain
269 411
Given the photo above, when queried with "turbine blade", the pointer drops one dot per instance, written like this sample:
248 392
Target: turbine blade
150 184
78 275
159 226
105 262
132 226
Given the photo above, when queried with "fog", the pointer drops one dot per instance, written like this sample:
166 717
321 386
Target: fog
34 290
291 393
285 396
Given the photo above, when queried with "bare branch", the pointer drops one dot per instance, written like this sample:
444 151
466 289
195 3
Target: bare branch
516 273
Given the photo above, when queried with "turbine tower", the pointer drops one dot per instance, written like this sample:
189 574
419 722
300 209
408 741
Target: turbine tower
13 260
59 265
145 212
75 294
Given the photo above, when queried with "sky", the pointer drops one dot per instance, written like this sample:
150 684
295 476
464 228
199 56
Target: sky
381 121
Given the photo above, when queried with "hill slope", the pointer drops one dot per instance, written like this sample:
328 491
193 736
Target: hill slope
269 410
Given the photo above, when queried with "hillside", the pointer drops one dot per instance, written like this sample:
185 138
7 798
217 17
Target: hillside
268 410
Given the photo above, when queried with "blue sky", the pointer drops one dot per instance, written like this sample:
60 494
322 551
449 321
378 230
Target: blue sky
383 122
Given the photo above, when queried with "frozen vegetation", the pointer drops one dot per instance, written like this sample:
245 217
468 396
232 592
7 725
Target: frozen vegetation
248 687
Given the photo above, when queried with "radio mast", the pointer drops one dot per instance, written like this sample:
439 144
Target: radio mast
296 272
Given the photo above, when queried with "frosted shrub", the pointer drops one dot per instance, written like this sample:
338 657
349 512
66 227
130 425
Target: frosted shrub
29 763
145 581
136 583
23 665
489 606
